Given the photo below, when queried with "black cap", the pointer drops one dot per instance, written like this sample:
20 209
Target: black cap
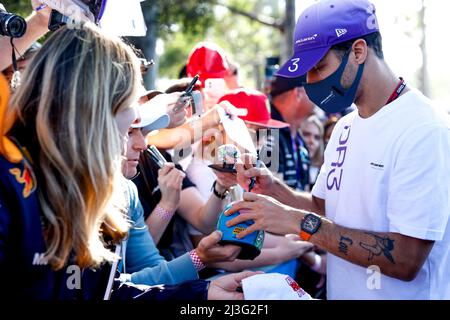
280 85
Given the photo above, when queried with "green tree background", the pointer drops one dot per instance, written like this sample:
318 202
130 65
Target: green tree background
249 30
20 7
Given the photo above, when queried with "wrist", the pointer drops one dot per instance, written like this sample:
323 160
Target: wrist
217 192
38 22
164 212
294 221
220 188
168 204
275 190
196 260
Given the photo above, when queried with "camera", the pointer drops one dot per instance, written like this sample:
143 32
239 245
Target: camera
11 25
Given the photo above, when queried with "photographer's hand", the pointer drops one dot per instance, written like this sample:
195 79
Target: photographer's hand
37 26
42 13
210 251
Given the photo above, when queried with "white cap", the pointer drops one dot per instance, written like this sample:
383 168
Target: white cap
273 286
151 118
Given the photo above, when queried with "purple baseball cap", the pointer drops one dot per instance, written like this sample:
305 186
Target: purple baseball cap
323 25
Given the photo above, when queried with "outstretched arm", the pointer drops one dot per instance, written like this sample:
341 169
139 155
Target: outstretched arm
37 26
396 255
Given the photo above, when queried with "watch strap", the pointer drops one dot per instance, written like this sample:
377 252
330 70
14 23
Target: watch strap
305 236
216 193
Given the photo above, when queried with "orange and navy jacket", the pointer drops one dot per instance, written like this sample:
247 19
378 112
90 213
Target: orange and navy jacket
25 275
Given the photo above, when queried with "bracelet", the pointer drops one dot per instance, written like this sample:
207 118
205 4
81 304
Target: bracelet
164 213
317 263
198 264
216 193
41 7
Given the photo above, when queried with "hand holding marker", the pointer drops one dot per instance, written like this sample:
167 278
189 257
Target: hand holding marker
186 97
253 180
156 156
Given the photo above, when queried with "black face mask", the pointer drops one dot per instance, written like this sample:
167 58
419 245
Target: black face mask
329 95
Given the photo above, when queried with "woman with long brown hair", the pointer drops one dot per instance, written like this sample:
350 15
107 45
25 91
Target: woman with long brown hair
62 204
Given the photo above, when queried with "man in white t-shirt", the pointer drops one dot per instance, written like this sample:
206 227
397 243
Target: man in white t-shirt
381 204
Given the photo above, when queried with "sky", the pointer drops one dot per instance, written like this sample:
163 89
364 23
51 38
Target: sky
401 41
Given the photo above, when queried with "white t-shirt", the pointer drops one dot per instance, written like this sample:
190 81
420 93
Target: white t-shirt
390 173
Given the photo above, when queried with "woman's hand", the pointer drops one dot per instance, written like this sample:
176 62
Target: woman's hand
226 287
225 181
170 180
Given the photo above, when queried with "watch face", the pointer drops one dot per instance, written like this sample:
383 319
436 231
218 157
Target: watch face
311 223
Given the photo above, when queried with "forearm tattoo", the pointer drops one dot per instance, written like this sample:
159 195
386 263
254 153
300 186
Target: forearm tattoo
344 243
380 245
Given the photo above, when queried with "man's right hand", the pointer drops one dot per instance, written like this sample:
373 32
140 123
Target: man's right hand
246 170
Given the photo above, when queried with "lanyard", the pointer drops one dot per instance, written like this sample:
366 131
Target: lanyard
296 146
16 80
398 91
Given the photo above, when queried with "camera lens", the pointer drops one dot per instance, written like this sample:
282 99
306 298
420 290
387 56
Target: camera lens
12 25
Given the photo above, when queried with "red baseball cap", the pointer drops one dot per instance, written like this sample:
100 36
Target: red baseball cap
208 60
257 106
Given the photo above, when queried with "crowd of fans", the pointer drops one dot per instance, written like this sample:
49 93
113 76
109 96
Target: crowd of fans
80 184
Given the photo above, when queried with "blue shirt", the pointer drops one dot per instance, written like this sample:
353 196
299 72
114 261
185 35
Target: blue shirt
142 258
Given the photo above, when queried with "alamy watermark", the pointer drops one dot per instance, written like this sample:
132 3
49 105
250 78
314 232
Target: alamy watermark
374 279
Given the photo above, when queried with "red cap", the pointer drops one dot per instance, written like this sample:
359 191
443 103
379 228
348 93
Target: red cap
257 106
208 60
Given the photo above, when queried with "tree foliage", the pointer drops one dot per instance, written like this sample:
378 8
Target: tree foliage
189 17
20 7
182 23
246 40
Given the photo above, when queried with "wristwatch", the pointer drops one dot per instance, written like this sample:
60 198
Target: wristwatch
309 226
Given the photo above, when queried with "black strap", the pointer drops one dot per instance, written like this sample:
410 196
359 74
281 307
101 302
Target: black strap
216 193
13 55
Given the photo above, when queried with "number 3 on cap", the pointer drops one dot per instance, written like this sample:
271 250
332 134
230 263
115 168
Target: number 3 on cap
294 65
